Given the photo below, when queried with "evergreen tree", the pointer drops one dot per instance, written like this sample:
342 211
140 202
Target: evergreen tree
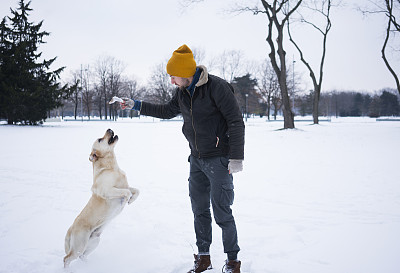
356 110
305 103
28 90
245 85
5 46
389 104
374 107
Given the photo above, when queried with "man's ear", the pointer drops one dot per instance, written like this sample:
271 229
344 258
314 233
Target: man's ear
93 156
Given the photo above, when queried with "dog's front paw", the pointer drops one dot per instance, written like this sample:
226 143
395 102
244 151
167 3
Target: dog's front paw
131 198
135 193
128 197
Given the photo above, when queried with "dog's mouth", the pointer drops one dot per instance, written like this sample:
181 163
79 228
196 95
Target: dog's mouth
112 137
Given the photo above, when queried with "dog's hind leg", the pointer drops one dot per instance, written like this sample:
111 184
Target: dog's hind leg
93 242
78 244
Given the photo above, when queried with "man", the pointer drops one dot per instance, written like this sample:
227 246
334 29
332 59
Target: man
214 128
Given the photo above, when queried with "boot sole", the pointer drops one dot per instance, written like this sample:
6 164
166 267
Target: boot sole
208 268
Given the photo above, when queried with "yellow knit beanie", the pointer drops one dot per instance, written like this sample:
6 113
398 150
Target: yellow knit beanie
182 63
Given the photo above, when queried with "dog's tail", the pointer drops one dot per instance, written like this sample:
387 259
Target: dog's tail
67 244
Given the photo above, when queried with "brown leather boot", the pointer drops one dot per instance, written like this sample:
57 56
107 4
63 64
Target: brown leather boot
201 263
231 267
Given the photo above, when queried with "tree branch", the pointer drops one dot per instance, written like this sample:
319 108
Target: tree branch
312 74
291 12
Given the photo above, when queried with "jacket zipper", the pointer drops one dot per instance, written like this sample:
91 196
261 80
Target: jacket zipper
191 115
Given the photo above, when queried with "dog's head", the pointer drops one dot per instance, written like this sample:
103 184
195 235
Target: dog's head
103 146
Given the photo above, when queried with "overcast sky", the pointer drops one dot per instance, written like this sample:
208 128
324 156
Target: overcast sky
142 34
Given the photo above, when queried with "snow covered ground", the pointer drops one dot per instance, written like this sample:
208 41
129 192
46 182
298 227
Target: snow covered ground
318 199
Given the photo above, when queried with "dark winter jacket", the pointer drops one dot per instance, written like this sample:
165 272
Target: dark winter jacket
213 123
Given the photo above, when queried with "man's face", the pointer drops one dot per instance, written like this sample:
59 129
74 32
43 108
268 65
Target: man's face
182 83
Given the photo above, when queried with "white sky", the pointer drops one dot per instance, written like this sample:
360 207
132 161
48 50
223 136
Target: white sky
142 34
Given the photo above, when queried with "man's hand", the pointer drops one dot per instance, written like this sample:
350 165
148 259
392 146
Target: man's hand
127 103
235 165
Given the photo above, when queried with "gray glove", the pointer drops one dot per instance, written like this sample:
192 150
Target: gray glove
128 103
235 165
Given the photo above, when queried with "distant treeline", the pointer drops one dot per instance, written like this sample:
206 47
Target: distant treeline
265 100
252 100
355 104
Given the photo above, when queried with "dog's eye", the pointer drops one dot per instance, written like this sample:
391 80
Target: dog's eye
99 140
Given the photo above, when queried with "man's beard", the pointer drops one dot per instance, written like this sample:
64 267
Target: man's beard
185 84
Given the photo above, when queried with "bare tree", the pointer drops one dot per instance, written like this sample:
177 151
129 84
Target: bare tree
87 92
115 69
98 101
267 84
199 55
101 70
276 101
108 71
187 3
392 27
75 81
391 9
161 90
230 63
130 89
323 8
278 13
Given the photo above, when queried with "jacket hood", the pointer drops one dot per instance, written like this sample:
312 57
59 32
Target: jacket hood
203 76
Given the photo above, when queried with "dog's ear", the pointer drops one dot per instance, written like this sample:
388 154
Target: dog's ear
93 156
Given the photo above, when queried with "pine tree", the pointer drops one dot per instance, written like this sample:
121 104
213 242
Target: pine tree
5 46
245 90
389 104
28 89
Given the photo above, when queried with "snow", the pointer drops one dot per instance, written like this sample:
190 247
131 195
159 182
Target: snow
318 199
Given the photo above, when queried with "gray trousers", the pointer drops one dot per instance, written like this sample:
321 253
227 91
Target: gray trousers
210 181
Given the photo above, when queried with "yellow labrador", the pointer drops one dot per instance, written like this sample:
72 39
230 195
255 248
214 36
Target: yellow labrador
110 193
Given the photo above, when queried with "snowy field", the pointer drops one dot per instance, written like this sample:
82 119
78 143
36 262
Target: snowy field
318 199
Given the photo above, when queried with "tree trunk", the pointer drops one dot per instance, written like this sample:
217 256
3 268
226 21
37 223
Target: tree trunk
105 105
388 30
88 110
75 110
317 93
287 111
100 107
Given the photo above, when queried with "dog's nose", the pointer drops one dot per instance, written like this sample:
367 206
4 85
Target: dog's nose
109 131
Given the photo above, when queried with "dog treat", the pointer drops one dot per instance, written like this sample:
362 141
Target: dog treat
114 99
